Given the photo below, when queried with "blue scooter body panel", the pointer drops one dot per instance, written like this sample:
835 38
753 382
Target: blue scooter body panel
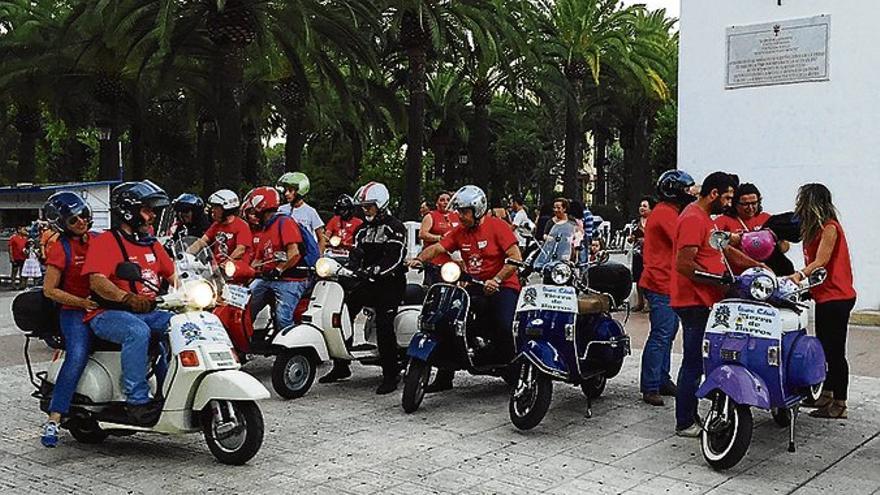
421 346
738 383
546 358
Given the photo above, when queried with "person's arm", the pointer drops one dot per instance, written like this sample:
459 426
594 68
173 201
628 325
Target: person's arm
55 293
425 230
238 252
322 239
394 252
427 255
686 261
101 285
783 246
494 284
740 259
823 253
198 245
293 257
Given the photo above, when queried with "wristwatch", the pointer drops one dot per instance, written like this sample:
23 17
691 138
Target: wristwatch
497 280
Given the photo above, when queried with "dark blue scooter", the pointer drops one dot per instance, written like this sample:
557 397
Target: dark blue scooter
756 353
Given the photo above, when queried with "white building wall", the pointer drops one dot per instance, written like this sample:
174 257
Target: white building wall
780 137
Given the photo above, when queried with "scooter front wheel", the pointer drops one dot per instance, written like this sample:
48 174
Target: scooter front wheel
727 433
293 373
233 430
414 383
530 398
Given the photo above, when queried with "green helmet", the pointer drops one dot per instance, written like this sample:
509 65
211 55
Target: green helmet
297 181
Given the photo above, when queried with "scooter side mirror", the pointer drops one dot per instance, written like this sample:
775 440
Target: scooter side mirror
129 271
818 276
719 240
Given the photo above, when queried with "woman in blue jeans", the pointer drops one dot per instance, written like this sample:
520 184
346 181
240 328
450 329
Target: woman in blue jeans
64 283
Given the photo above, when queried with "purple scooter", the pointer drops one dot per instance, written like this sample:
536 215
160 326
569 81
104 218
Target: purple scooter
756 353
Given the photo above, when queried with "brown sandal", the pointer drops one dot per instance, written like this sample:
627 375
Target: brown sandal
824 400
835 410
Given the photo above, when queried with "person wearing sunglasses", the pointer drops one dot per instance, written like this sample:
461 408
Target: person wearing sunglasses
70 216
746 214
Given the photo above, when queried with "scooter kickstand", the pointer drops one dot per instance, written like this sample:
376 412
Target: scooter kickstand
791 427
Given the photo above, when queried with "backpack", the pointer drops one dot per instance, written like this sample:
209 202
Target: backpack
308 247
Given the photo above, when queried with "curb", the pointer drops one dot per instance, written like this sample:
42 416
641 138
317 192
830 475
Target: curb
865 318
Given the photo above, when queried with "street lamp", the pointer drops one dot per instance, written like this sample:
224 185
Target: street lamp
105 131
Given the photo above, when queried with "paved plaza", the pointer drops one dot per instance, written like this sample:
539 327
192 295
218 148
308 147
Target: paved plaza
344 439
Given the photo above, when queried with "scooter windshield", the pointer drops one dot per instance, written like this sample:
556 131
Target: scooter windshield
557 245
191 263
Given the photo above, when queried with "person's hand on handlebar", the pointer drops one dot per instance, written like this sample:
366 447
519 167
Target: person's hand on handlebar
138 303
491 286
414 263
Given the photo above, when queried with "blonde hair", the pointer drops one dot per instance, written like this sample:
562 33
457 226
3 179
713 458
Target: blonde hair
814 207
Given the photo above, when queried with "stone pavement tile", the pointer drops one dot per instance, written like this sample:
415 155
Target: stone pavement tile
660 457
585 486
757 484
451 480
277 483
783 471
844 484
410 488
661 484
499 487
364 482
611 448
620 477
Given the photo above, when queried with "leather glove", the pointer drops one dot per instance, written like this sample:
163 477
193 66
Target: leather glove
138 303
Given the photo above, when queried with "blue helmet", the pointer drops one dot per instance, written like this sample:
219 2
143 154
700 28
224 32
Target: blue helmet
63 208
674 186
128 198
187 202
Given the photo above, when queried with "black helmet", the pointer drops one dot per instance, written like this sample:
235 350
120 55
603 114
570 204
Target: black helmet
128 198
187 202
344 206
62 207
674 185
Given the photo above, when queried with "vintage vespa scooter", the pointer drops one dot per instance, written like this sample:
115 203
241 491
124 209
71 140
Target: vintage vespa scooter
449 337
756 353
564 331
204 389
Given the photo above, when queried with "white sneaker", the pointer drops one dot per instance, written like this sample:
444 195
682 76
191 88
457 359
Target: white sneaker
692 431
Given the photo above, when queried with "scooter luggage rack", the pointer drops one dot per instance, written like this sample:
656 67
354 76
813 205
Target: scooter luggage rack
614 343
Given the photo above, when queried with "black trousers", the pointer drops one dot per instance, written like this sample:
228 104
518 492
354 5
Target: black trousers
384 297
832 318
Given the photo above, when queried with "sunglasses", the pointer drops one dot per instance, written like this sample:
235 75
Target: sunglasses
750 204
78 218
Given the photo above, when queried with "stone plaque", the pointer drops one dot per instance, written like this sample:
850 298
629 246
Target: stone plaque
784 52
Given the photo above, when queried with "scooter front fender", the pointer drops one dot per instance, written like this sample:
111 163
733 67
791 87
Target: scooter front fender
738 383
545 357
228 385
303 335
421 346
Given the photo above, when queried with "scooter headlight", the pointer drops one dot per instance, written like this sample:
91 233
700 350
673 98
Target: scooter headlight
335 241
326 267
762 287
200 293
559 273
450 272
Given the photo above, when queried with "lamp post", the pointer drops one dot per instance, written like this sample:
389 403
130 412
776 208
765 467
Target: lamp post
105 135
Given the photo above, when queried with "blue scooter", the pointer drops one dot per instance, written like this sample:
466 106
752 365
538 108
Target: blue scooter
563 331
756 353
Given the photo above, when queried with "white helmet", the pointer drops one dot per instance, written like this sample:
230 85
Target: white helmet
373 193
470 197
225 199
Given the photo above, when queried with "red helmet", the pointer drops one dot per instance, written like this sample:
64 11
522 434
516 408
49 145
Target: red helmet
262 199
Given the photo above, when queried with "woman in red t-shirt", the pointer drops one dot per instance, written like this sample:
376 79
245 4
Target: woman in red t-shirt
69 214
825 246
746 214
435 225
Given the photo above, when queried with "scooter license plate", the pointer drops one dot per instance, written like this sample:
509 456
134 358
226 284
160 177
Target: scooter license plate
236 296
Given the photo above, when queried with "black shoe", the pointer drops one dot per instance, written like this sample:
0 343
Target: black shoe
438 385
144 414
653 399
668 389
388 385
339 372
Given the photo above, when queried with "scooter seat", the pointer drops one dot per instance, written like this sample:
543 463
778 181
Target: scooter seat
589 304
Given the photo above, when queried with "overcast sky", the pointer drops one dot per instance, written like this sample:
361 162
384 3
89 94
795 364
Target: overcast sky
671 6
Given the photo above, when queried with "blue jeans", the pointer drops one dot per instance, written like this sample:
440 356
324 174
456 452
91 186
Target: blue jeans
658 347
287 295
134 331
693 324
77 343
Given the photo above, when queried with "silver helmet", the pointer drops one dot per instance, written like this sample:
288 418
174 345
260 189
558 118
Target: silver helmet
470 196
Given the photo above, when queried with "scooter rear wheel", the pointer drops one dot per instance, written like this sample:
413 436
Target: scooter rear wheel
293 373
725 442
86 431
414 383
236 435
530 398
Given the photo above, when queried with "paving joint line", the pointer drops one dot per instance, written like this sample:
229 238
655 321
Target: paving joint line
838 461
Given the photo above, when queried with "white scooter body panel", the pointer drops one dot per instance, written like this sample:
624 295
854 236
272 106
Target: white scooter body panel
101 380
406 324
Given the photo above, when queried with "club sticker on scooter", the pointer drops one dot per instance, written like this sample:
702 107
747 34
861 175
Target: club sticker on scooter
549 298
236 295
743 317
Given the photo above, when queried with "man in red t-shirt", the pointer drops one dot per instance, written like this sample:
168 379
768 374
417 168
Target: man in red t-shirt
342 226
229 236
674 191
127 315
484 242
692 298
276 237
17 254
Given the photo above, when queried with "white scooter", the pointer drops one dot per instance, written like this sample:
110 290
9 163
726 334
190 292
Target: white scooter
203 391
326 325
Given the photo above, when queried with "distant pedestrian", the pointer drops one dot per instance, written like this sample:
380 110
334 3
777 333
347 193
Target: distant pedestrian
17 255
637 239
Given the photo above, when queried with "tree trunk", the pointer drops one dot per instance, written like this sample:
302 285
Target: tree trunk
252 154
296 140
138 153
230 64
206 147
635 143
27 157
108 158
573 150
600 163
412 175
478 158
